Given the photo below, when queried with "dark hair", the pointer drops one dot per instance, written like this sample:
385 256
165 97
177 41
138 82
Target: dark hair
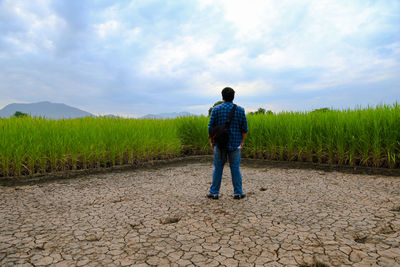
228 94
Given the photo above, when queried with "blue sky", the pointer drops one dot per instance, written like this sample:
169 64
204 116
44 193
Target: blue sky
152 56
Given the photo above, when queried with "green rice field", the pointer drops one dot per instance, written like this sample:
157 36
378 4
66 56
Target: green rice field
358 137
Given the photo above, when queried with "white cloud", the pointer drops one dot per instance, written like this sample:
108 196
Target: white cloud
108 28
341 18
37 26
252 18
358 66
20 46
318 38
164 59
256 19
319 41
169 58
210 86
231 61
203 4
278 59
133 35
252 88
394 48
114 28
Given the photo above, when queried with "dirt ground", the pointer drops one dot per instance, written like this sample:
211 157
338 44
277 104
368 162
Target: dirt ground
161 217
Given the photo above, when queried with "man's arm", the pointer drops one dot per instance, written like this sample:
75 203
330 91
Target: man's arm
211 124
244 128
243 137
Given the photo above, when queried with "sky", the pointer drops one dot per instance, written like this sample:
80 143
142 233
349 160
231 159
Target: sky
132 58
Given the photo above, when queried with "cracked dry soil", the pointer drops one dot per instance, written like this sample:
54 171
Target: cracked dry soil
161 217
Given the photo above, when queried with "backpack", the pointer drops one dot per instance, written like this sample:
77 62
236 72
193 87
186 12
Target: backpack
220 134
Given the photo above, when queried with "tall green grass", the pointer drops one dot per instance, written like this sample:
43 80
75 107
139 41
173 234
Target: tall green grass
36 145
193 133
365 137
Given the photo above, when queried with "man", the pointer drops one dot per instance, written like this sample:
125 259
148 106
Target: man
238 130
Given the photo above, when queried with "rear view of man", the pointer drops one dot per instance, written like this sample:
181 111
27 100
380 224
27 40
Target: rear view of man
237 133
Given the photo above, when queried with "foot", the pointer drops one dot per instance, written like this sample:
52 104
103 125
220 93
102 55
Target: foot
239 196
212 196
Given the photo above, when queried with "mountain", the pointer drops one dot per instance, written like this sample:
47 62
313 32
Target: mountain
44 109
172 115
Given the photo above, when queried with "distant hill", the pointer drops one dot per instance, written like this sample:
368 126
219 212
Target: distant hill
167 115
44 109
112 116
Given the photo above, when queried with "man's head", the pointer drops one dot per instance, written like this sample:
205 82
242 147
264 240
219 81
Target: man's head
228 94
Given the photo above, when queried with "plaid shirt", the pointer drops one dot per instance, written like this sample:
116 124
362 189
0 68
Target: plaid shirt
219 116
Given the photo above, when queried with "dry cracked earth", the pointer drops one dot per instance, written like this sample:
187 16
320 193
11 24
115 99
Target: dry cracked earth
161 217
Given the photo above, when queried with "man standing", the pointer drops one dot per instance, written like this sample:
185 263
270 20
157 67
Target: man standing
238 130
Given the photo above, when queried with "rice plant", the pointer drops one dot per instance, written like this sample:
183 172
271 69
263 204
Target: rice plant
365 137
37 145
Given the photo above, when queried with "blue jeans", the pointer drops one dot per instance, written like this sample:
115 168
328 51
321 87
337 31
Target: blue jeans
234 164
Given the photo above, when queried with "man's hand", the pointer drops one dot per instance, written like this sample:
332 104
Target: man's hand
211 144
